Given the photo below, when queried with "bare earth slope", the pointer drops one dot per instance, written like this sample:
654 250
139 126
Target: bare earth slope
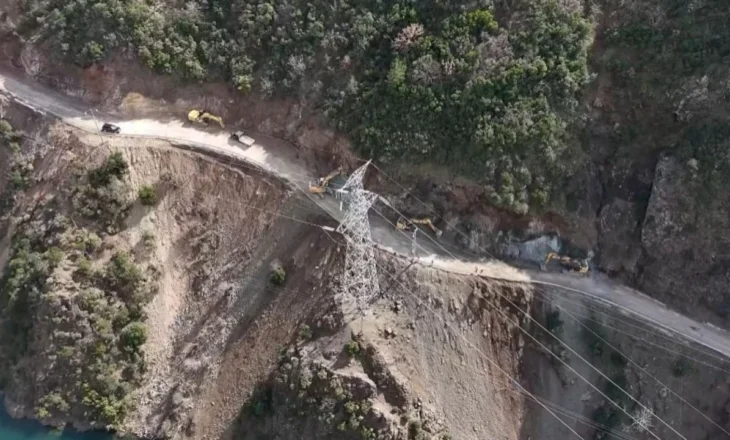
269 155
216 325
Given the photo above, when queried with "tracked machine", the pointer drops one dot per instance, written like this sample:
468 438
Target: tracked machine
322 186
204 117
567 263
404 224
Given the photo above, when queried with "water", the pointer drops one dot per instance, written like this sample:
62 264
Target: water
11 429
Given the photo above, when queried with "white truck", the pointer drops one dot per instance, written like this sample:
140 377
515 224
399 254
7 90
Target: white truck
240 137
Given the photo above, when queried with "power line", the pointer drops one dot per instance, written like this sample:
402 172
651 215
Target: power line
517 390
452 256
527 315
243 162
327 230
644 328
410 193
643 370
473 346
538 324
638 338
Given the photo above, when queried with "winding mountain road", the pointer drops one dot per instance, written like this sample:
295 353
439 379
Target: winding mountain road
268 154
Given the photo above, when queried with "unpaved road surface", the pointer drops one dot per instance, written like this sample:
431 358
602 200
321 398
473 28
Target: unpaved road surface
268 154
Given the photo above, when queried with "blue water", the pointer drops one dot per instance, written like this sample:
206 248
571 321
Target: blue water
11 429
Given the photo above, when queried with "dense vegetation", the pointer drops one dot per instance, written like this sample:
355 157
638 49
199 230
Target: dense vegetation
667 62
20 165
431 81
58 288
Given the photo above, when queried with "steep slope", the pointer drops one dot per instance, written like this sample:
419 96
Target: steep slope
188 262
155 309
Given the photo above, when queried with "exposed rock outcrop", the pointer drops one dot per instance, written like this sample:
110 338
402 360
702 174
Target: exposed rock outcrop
686 242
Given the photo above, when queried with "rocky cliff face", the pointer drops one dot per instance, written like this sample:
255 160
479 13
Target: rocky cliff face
685 238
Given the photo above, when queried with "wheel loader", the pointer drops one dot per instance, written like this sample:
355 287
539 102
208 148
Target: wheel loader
404 224
570 264
323 183
204 117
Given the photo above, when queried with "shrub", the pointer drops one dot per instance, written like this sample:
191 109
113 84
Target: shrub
115 166
352 348
147 195
133 337
123 277
105 196
5 127
277 276
18 180
54 256
148 238
305 332
259 404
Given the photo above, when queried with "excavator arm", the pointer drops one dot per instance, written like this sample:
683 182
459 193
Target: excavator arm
429 223
324 181
404 224
321 186
206 117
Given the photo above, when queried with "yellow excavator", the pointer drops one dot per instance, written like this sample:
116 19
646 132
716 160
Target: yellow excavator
404 224
323 183
204 117
580 266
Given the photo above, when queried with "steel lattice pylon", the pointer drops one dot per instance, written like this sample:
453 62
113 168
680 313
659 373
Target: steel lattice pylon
360 277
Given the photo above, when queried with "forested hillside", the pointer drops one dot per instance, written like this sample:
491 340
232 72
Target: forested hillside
490 93
569 106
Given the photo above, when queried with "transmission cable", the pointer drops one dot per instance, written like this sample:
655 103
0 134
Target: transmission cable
527 315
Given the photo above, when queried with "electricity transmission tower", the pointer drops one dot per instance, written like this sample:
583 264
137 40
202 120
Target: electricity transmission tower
360 277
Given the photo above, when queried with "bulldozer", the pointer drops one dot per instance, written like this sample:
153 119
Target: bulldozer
404 224
322 185
204 117
573 265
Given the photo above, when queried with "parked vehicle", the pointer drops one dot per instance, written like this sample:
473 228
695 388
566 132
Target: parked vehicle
240 137
110 128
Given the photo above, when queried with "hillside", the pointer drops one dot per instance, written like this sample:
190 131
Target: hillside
128 305
170 292
563 110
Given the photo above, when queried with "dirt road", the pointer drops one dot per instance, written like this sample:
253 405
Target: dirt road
270 155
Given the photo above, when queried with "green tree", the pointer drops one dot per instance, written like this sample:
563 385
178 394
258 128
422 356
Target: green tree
133 337
397 72
147 195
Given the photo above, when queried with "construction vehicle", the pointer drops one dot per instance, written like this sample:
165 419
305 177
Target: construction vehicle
404 224
204 117
323 183
573 265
